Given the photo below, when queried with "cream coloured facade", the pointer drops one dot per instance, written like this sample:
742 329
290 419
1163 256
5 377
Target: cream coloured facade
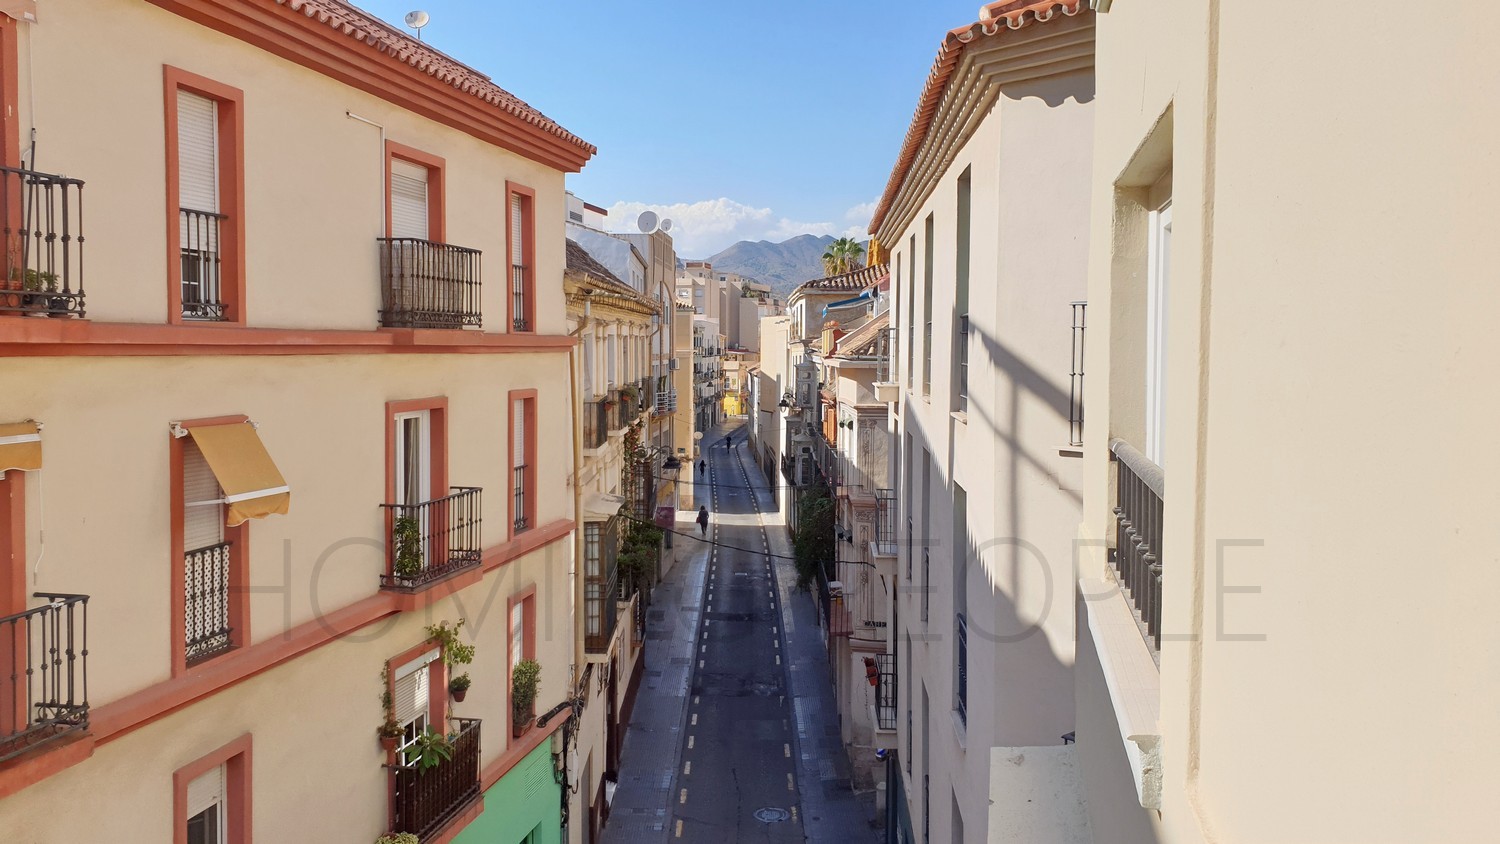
383 394
987 251
1320 673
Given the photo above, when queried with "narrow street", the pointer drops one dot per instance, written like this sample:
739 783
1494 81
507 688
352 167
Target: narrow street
751 755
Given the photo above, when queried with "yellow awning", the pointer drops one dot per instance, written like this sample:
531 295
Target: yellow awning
253 486
20 446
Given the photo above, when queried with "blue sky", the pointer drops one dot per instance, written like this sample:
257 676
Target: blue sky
738 120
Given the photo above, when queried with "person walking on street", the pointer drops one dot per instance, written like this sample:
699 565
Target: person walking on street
702 467
703 519
726 441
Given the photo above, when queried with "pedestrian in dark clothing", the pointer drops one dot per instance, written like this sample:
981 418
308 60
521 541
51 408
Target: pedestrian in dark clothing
702 467
726 442
703 520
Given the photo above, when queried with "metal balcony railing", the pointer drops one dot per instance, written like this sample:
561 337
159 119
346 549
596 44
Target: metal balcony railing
1075 376
962 656
885 691
200 250
666 401
41 221
433 539
885 521
520 480
601 583
44 673
1138 518
426 284
520 302
423 800
206 611
595 422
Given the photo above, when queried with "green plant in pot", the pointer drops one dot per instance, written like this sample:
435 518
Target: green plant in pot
459 687
430 750
390 732
398 838
523 688
406 535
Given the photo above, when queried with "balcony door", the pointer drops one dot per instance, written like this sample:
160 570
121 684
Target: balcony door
1159 273
414 472
412 699
409 210
205 809
198 202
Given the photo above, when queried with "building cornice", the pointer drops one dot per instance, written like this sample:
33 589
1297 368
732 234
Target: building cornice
972 64
357 49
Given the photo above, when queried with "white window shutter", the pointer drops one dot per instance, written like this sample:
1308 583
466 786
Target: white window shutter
517 633
518 439
197 152
412 689
205 791
409 200
517 229
203 516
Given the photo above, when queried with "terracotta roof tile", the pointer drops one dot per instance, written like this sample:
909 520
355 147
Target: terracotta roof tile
382 37
851 281
994 18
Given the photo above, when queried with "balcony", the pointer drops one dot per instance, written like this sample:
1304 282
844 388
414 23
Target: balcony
885 522
595 423
206 609
601 583
423 801
424 284
885 691
1138 531
433 539
520 307
201 250
41 218
44 668
666 402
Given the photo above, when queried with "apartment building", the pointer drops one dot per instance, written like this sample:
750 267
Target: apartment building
983 218
285 520
614 489
1284 649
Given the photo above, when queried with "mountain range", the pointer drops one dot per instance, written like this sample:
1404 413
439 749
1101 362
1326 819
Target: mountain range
782 265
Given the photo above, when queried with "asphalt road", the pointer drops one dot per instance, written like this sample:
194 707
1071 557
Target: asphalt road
738 759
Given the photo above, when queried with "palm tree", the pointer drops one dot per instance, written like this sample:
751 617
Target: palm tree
842 256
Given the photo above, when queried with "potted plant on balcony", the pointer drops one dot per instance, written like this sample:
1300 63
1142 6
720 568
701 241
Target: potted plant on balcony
398 838
406 534
459 687
57 306
523 687
390 732
429 750
34 283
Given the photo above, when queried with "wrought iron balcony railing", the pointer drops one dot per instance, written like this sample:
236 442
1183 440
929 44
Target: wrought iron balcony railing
433 539
885 692
206 611
885 522
1138 533
202 266
425 284
963 668
44 673
520 477
423 800
41 221
520 305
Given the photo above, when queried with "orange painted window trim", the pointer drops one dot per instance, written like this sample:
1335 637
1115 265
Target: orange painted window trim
528 242
239 559
527 599
13 709
10 95
235 756
437 703
437 407
529 396
437 219
231 191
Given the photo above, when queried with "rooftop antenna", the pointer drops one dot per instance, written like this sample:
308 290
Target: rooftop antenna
416 20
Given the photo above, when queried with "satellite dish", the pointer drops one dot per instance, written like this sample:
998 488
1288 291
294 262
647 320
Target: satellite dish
666 225
646 222
416 20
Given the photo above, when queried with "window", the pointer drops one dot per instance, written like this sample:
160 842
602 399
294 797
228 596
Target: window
411 696
909 682
907 497
961 603
205 178
207 560
211 797
911 313
417 493
1159 273
960 378
523 460
927 309
521 247
410 217
926 531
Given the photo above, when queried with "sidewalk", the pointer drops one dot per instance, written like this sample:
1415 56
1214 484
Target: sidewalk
648 761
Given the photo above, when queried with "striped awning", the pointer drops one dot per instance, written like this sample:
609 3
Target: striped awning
20 446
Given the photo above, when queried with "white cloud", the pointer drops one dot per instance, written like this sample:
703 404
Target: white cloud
700 229
861 214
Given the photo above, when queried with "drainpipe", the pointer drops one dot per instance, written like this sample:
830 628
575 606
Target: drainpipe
352 116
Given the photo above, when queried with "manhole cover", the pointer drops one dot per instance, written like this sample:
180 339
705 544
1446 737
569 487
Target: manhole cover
772 815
